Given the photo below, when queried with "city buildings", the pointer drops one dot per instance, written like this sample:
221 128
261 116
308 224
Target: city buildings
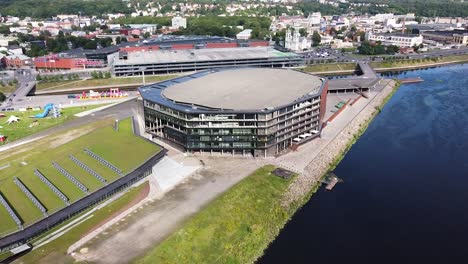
17 61
295 42
236 111
397 39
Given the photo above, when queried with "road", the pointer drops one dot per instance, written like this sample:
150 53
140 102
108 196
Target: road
119 111
26 79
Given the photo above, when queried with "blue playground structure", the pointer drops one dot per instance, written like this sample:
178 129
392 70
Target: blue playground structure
47 109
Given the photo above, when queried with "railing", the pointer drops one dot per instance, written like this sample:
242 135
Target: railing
103 161
11 212
51 186
70 177
31 197
86 168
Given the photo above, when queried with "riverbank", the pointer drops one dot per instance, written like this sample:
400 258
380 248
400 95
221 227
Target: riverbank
334 69
221 240
383 67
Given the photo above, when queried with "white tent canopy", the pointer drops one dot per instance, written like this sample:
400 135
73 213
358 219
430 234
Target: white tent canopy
13 119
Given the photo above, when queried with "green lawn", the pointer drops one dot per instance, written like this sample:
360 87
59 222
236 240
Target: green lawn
235 228
7 89
111 145
59 85
56 251
21 129
8 225
330 67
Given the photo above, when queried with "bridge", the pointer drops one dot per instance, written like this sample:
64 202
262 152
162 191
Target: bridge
367 71
359 84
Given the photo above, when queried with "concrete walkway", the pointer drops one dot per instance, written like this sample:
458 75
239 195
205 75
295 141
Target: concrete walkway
298 160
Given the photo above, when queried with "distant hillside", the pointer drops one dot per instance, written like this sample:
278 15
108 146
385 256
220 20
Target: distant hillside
49 8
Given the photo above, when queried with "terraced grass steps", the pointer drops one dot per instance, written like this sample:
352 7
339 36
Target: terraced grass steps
54 175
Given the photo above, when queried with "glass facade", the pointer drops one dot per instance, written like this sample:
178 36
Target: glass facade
266 132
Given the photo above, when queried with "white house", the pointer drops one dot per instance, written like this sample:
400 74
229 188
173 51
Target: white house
397 39
179 22
244 34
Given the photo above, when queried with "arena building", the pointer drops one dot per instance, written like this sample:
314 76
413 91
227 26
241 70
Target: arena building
255 111
161 61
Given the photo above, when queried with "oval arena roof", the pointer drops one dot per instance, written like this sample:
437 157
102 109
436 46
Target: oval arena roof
245 89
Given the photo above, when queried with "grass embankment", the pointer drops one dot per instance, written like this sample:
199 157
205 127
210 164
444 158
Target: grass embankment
335 67
7 89
56 251
59 85
418 62
113 146
21 129
235 228
238 226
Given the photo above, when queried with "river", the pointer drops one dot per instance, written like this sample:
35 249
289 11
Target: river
405 192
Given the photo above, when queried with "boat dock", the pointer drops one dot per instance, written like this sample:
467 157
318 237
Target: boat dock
330 180
411 80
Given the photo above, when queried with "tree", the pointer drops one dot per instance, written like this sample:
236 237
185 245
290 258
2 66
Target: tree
5 30
107 75
303 32
100 75
2 96
316 39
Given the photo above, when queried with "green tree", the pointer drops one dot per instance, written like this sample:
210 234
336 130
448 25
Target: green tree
303 32
2 96
316 39
5 30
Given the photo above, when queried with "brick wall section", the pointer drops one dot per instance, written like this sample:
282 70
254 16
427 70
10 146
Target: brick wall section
320 165
323 101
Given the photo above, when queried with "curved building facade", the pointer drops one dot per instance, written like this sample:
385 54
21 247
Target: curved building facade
256 111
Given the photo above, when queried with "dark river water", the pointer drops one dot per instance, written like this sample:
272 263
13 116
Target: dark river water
404 198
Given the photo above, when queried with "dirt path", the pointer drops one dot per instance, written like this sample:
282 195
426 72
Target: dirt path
150 224
141 195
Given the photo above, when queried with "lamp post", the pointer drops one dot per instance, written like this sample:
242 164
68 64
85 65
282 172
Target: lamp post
143 74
